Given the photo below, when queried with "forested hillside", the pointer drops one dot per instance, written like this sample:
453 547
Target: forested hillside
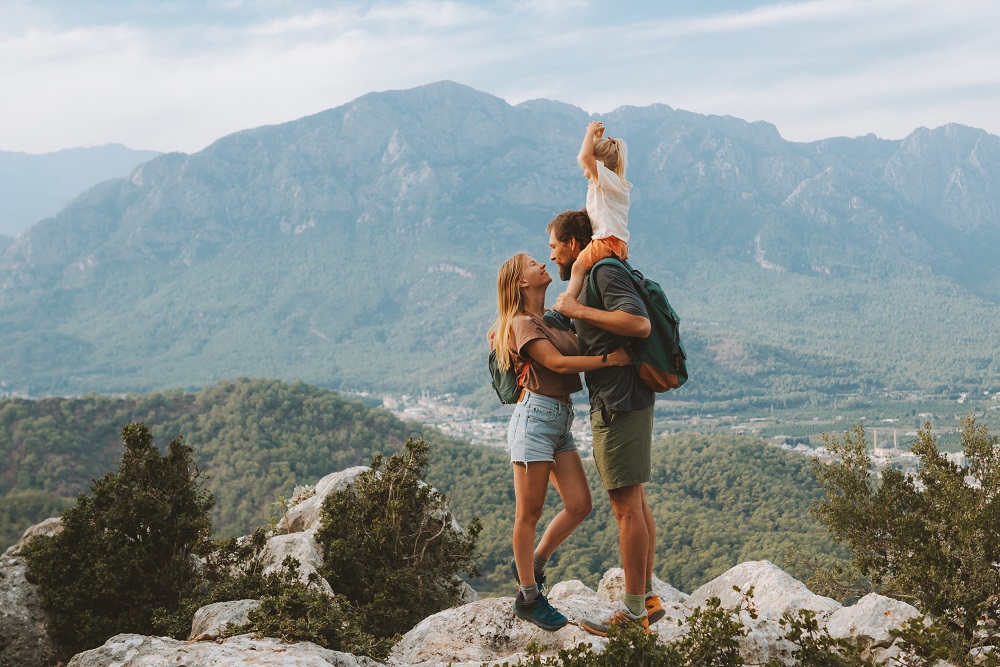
717 500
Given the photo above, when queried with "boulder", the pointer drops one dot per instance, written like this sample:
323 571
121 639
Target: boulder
487 631
868 622
24 638
239 651
305 515
612 588
214 620
300 546
50 526
775 591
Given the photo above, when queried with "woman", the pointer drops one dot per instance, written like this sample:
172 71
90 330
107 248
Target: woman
539 438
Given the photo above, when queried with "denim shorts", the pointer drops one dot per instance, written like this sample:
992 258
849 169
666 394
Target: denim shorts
539 429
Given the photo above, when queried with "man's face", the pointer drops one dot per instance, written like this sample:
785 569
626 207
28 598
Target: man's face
563 254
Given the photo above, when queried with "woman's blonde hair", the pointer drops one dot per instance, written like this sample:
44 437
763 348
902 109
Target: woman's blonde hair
613 153
510 304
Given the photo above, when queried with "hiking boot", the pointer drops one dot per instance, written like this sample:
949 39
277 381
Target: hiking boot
620 617
654 608
556 320
539 578
539 612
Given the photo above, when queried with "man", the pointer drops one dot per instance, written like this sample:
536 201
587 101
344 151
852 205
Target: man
621 413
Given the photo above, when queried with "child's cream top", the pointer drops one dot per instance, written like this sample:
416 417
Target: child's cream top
607 204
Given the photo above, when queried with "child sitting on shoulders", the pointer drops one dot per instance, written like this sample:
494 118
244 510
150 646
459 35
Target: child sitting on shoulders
604 161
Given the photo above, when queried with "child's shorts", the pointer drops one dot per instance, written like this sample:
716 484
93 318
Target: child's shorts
598 249
539 429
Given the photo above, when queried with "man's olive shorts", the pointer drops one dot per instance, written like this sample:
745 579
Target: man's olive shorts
623 446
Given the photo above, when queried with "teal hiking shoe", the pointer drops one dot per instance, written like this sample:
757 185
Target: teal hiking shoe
539 612
539 578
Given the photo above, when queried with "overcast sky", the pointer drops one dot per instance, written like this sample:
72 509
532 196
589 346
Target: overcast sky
179 74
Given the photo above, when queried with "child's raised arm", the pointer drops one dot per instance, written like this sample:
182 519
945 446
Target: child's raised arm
586 157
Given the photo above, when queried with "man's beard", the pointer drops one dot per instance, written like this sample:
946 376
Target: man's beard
565 271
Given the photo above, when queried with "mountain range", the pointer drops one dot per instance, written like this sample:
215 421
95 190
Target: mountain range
357 249
34 187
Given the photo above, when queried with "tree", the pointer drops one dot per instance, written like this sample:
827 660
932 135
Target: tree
390 538
933 540
126 555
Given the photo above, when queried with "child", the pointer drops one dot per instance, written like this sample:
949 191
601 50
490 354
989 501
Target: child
604 162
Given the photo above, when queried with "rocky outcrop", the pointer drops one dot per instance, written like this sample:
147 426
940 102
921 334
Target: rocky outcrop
50 526
487 632
475 633
303 548
774 593
139 651
24 639
868 622
612 588
215 620
305 515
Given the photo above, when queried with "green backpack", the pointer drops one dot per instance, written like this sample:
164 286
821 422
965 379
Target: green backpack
507 384
661 358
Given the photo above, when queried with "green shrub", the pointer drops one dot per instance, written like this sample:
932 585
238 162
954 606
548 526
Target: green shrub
933 540
126 555
295 611
391 546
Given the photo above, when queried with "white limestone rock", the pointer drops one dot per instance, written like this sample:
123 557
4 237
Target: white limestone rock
868 622
240 651
305 515
487 631
24 638
775 591
51 526
570 589
214 620
300 546
612 588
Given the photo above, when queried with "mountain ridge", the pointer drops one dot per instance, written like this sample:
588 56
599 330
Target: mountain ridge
234 260
37 186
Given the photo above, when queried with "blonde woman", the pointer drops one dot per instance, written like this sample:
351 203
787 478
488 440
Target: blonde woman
539 438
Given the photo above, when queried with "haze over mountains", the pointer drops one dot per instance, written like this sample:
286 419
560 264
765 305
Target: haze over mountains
33 187
358 248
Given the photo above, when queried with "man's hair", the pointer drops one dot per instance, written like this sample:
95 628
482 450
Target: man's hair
572 225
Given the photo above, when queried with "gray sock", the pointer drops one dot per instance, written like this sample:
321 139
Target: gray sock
538 563
529 593
649 586
636 604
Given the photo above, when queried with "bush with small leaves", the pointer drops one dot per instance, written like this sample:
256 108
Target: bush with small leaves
126 556
391 546
296 611
932 540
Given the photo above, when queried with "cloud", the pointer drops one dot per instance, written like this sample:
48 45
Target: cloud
170 77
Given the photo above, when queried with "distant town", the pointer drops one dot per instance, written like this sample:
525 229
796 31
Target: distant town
889 438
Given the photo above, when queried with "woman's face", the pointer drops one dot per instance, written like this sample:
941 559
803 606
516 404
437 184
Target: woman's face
534 273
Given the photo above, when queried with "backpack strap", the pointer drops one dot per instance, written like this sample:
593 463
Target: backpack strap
610 261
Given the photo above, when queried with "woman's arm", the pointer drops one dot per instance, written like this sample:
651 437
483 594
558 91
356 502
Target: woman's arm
544 352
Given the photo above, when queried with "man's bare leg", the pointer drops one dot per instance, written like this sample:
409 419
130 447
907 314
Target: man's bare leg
628 504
